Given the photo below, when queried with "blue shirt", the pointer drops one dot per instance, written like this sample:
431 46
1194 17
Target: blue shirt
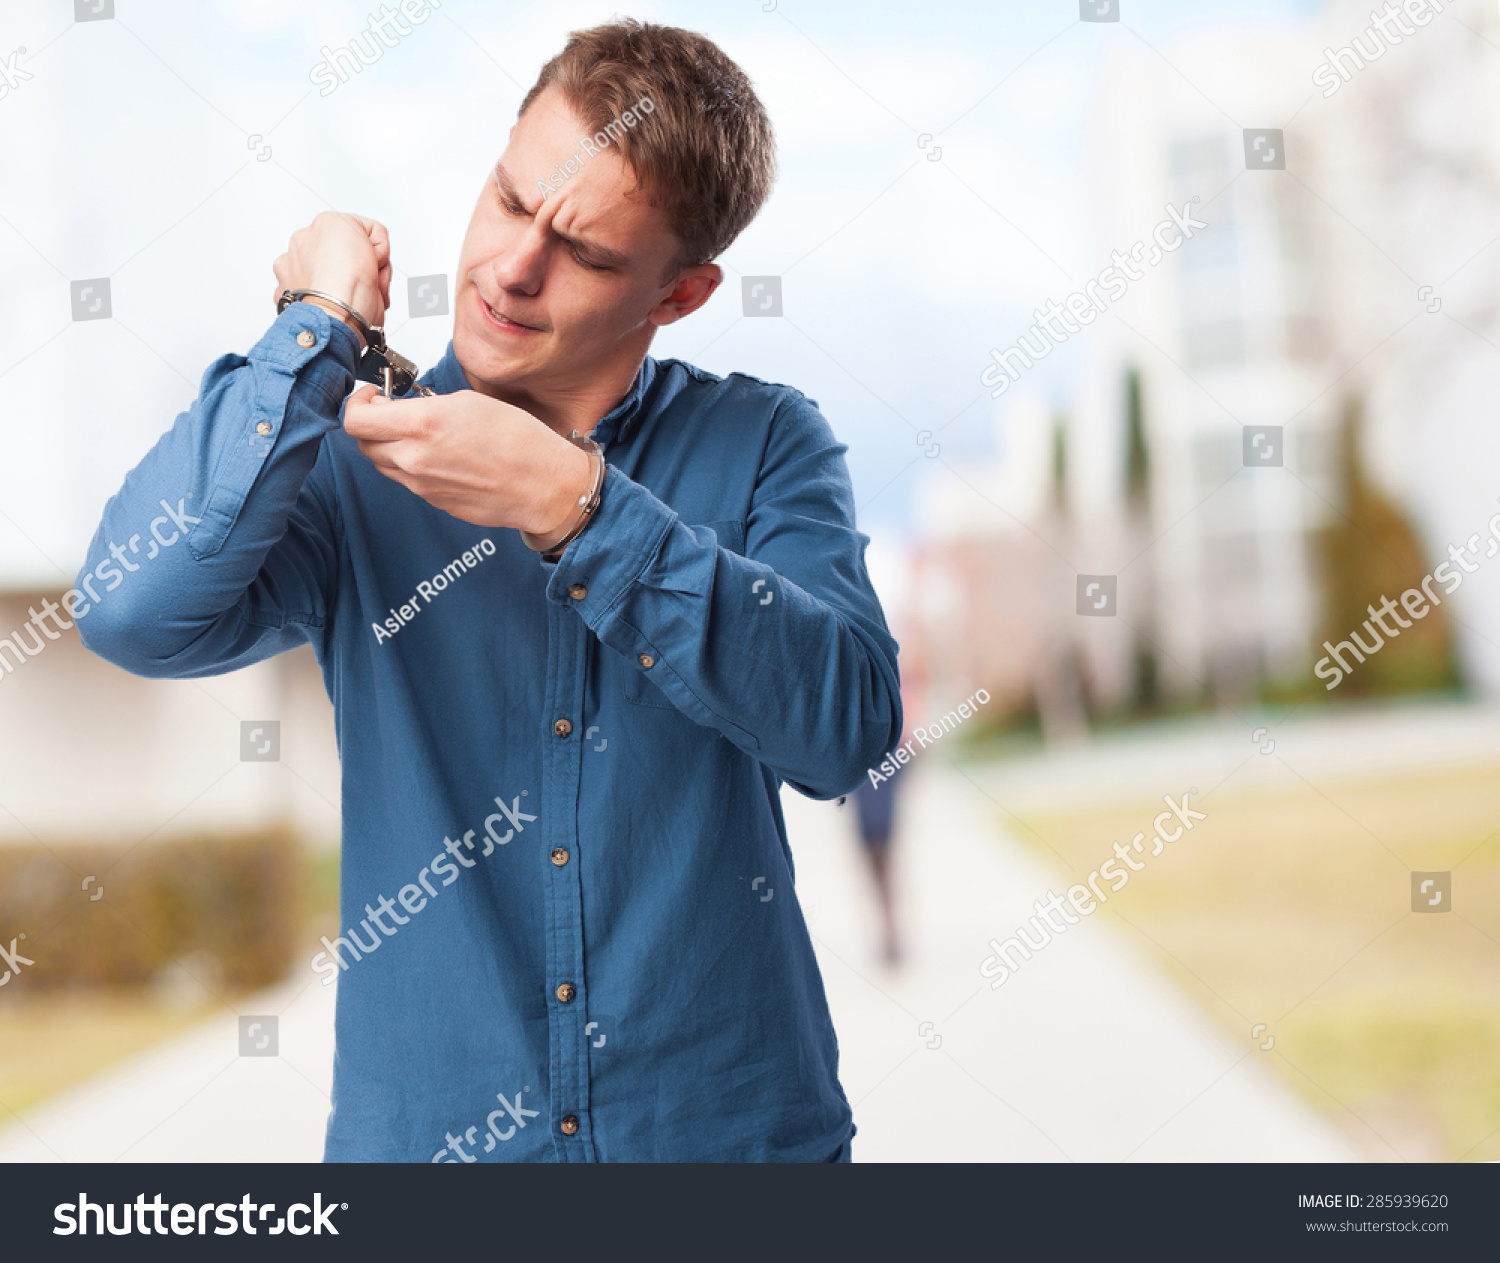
570 930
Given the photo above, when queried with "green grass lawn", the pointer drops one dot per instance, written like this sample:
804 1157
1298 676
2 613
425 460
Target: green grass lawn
1291 906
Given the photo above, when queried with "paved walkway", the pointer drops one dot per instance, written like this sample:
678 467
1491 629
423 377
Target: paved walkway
195 1099
1085 1054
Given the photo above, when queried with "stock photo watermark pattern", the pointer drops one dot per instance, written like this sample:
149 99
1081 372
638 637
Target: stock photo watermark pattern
1007 956
1055 323
926 735
1417 603
427 589
1385 32
330 961
494 1133
592 146
107 572
384 30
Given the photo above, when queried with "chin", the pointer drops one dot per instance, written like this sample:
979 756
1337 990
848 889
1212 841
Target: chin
487 362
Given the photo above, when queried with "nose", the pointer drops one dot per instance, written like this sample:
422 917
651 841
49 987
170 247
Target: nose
521 265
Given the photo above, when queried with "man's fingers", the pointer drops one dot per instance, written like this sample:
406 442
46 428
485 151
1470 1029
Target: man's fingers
383 456
380 238
372 416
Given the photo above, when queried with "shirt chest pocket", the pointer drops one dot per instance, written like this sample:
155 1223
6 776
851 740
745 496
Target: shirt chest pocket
638 686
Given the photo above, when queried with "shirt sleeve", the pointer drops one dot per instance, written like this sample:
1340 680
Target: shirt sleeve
219 549
784 650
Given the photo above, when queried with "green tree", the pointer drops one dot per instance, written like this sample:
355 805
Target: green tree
1369 552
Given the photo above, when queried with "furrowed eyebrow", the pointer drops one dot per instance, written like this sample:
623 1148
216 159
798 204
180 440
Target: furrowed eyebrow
507 185
600 255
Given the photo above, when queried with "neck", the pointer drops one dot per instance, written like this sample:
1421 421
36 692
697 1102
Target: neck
579 405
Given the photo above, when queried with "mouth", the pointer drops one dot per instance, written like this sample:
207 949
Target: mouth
503 323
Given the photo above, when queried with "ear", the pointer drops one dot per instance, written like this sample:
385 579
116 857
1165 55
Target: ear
692 288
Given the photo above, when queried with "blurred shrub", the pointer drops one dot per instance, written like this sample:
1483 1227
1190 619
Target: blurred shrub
1372 551
223 909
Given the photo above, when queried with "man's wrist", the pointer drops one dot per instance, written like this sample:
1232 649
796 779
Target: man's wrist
568 490
551 546
336 312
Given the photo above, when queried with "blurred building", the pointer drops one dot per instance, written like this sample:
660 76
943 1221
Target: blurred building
1294 304
90 753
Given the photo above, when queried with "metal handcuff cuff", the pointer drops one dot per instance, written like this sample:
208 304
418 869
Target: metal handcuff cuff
395 375
588 503
378 364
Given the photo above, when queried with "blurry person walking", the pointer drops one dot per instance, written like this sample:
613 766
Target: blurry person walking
875 806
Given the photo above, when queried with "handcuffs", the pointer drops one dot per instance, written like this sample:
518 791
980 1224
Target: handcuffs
395 375
588 503
378 363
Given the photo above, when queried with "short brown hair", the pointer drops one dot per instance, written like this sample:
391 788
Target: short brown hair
705 153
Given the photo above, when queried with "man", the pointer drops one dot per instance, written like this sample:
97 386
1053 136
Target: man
570 932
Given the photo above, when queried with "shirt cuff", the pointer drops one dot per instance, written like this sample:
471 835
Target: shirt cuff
303 346
620 541
329 359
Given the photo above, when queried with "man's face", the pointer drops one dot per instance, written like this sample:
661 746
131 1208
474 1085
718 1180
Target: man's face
556 292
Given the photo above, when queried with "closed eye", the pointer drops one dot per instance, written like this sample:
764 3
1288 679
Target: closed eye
582 262
510 208
514 208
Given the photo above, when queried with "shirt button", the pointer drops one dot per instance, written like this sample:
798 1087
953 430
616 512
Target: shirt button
263 429
569 1124
565 993
307 338
646 660
577 591
562 727
559 856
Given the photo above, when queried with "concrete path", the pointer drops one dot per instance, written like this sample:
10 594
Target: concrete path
1085 1054
195 1099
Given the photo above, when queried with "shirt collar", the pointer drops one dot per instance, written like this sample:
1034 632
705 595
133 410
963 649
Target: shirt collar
625 415
446 376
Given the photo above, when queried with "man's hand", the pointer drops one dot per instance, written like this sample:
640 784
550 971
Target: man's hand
347 256
481 460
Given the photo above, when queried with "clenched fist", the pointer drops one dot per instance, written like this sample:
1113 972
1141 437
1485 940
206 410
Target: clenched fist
345 256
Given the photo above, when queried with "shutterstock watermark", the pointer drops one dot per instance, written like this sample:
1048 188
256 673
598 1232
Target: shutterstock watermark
411 897
193 1220
14 960
386 30
11 74
494 1132
1335 71
1412 601
590 146
1091 302
110 575
925 737
1006 957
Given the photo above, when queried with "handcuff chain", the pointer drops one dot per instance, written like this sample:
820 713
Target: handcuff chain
378 363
